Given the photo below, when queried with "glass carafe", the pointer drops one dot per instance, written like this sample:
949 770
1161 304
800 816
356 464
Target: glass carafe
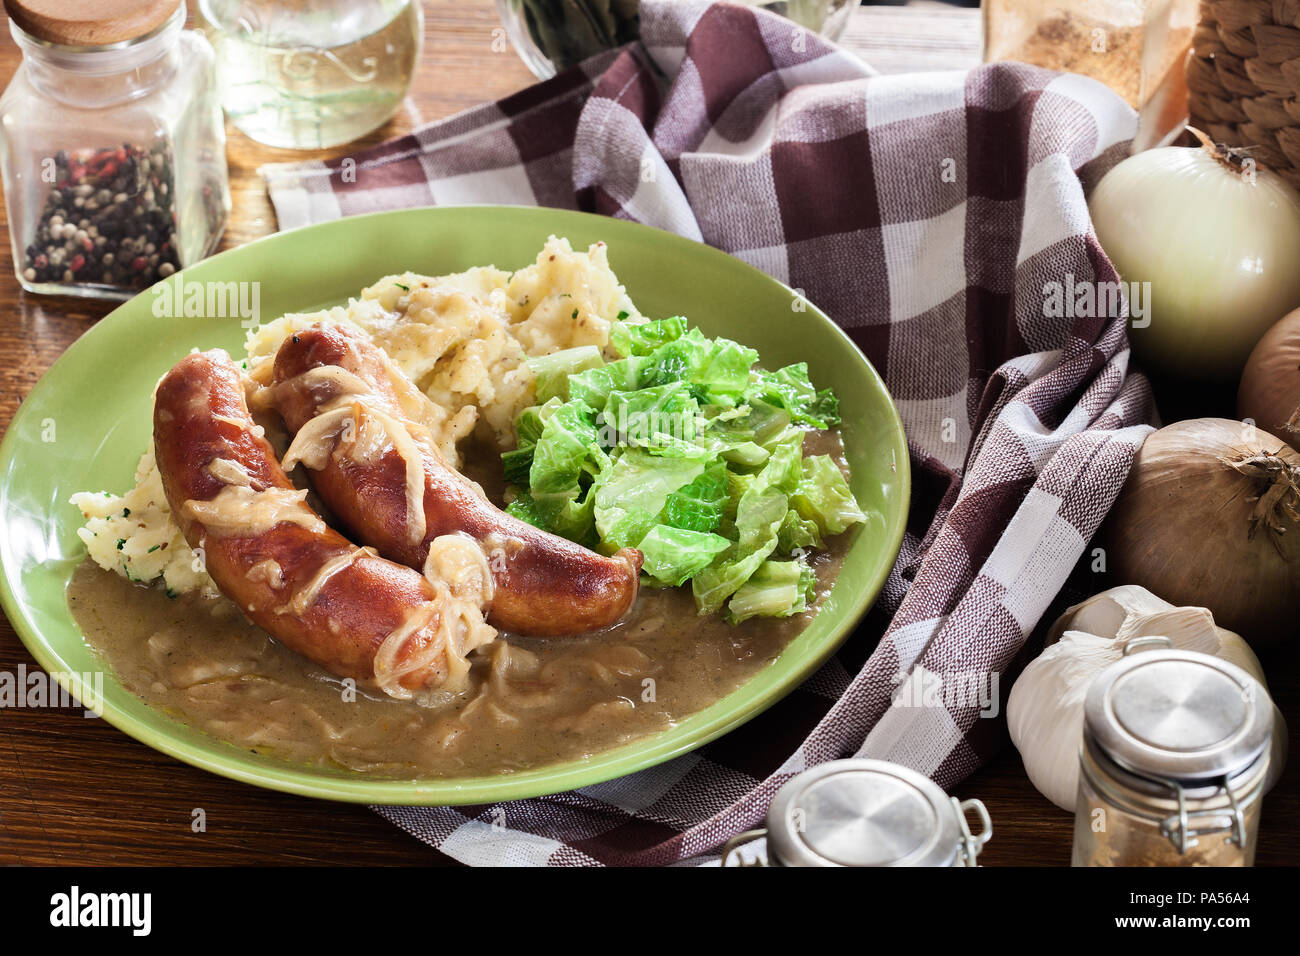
310 74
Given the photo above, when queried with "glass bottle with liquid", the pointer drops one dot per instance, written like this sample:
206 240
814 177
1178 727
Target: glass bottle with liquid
310 74
553 35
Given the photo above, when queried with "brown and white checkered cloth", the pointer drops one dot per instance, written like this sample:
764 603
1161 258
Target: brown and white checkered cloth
927 214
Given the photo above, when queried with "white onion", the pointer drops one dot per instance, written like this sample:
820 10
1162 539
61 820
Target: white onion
1269 393
1210 517
1218 241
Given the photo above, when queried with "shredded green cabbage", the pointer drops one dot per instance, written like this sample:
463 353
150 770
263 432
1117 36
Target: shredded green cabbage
683 447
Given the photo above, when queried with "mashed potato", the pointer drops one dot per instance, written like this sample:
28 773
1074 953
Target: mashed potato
456 346
134 534
464 339
566 299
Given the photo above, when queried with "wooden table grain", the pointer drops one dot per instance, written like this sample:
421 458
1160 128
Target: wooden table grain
77 791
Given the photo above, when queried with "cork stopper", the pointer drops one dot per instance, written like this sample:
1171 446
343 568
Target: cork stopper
89 22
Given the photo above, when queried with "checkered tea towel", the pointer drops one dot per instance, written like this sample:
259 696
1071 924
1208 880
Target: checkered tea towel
940 219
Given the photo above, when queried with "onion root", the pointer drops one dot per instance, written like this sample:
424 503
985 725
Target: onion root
1279 501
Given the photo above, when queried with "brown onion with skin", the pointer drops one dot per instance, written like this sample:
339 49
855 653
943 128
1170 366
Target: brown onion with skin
1210 517
1270 384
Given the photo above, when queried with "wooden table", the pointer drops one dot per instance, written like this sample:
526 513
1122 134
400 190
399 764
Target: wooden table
74 790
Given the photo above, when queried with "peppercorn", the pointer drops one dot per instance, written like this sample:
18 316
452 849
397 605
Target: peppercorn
124 207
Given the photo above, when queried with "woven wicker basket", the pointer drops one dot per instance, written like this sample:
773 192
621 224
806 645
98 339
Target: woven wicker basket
1243 79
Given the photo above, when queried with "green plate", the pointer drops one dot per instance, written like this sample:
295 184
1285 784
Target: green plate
97 398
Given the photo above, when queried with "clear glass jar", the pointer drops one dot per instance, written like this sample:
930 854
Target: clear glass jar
1138 48
1124 820
1173 762
553 35
863 812
313 75
114 161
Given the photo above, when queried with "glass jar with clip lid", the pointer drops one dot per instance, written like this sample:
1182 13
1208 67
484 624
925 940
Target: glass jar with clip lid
862 812
1173 761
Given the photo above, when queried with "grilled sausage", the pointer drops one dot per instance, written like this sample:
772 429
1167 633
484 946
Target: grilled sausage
399 499
349 610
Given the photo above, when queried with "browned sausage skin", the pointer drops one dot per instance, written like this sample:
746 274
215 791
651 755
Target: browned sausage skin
354 613
544 584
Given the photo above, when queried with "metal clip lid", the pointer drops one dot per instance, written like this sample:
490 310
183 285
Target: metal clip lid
862 812
1178 715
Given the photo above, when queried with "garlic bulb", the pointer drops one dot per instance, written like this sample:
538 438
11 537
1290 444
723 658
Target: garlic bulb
1045 708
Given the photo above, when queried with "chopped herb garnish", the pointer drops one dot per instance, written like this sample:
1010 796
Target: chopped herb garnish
153 549
622 314
126 512
575 313
404 288
172 594
120 542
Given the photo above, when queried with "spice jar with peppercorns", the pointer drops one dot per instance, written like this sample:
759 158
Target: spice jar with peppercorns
114 147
